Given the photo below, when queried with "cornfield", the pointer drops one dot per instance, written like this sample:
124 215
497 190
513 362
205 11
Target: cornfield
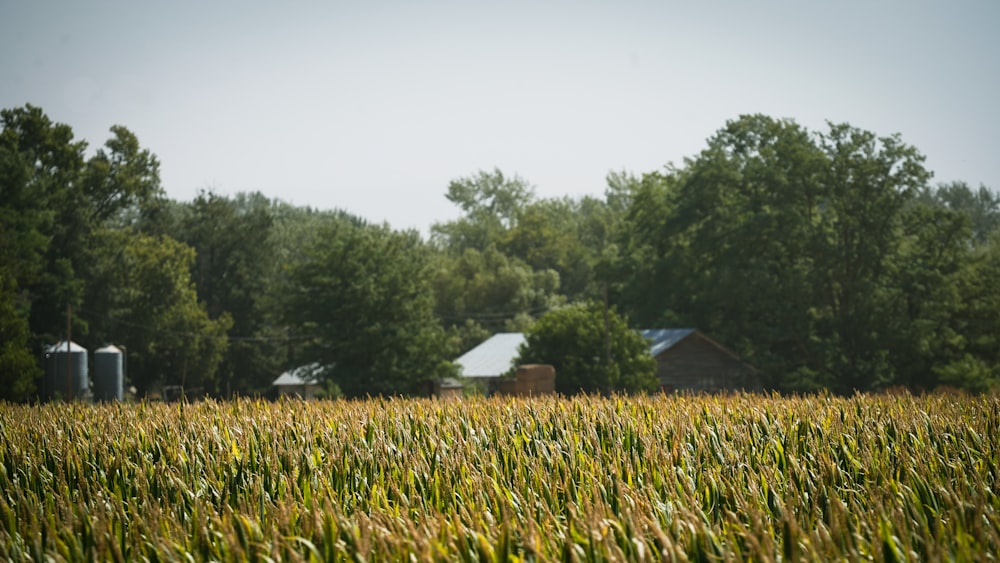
738 477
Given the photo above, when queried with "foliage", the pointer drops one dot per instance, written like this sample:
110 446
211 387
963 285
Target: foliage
54 207
982 207
491 202
40 196
811 253
823 258
234 270
361 296
480 292
592 350
121 181
18 367
568 236
622 478
556 246
151 307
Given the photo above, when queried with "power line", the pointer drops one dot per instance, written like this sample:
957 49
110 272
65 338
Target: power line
197 335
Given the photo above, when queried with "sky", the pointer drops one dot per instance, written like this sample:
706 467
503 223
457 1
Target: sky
375 107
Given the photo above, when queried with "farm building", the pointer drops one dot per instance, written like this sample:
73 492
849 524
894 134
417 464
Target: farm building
492 359
529 380
686 359
302 381
447 388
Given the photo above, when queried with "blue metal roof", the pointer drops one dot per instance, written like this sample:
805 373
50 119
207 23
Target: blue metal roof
492 358
663 339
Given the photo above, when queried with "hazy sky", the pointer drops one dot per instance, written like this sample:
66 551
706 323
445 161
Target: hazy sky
374 107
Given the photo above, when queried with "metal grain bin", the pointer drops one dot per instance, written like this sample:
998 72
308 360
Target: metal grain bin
109 374
68 382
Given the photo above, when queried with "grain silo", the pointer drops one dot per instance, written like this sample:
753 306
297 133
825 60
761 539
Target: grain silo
66 372
109 374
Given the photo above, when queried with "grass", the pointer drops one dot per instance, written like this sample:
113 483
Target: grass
590 479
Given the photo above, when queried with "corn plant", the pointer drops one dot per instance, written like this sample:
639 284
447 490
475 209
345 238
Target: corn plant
647 478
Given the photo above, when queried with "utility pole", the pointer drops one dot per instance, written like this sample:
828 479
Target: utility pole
69 351
607 327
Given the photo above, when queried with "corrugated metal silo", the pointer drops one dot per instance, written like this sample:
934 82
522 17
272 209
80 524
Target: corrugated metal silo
68 382
109 374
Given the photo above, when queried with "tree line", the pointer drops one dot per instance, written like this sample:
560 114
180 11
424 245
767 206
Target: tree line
825 259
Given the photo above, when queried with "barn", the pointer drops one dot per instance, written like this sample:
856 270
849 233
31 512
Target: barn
688 360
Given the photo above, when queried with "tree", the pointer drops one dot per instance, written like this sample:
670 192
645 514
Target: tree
151 307
787 244
592 350
40 204
491 202
362 295
234 269
975 341
982 206
18 368
53 206
726 244
484 290
566 235
870 182
122 181
923 298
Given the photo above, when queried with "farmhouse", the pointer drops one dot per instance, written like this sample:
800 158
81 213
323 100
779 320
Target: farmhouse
686 360
302 381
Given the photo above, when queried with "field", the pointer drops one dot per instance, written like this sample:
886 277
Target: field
589 479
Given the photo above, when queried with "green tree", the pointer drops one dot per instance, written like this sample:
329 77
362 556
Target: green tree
477 293
975 341
566 235
363 296
152 308
981 206
121 182
234 269
18 368
491 203
870 182
53 205
726 244
924 298
592 350
787 244
40 203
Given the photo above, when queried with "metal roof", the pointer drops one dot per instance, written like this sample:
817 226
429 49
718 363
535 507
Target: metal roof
492 358
109 349
495 356
663 339
61 347
303 375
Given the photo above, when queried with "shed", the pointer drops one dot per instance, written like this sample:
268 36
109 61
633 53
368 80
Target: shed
687 359
447 388
529 380
302 381
492 358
